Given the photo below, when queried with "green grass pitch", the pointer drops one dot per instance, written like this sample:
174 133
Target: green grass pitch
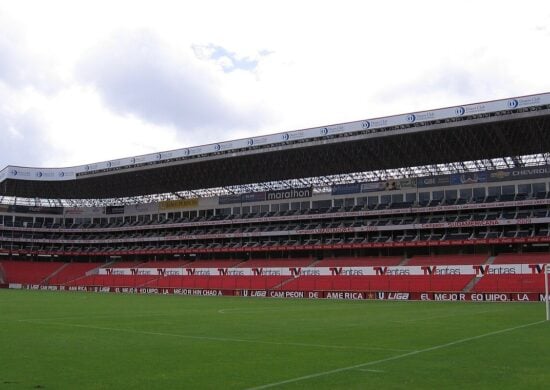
55 340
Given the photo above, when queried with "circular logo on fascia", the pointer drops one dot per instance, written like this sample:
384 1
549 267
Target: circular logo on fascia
459 111
512 103
250 142
158 156
411 118
87 168
324 131
14 172
61 174
365 125
132 160
186 152
285 137
217 147
38 174
108 164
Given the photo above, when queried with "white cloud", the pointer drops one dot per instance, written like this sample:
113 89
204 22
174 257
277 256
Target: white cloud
22 137
19 69
136 73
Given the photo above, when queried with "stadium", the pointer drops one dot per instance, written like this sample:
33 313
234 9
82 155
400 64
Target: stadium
448 204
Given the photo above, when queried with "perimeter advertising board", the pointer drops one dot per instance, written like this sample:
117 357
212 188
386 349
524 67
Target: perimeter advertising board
301 294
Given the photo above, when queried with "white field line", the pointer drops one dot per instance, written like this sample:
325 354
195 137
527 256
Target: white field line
446 316
367 370
252 310
389 359
208 338
108 316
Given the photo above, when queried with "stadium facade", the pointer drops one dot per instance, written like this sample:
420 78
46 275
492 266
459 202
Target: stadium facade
449 203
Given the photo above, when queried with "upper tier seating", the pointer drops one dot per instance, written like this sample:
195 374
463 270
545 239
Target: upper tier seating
510 283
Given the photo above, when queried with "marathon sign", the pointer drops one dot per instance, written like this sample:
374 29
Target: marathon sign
291 193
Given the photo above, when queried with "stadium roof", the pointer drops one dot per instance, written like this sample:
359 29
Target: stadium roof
474 137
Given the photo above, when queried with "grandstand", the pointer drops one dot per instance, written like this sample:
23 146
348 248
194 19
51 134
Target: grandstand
453 200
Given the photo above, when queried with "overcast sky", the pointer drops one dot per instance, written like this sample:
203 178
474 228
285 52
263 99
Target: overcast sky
88 81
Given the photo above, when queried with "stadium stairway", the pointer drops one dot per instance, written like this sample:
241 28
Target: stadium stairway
74 271
54 273
280 285
476 279
470 286
404 261
73 280
153 282
314 264
242 263
490 260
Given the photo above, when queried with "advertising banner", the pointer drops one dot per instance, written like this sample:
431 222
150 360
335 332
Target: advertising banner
435 270
468 178
84 211
35 210
114 210
485 177
291 193
519 173
151 208
310 294
344 189
178 204
242 198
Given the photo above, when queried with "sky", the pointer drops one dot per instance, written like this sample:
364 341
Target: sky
89 81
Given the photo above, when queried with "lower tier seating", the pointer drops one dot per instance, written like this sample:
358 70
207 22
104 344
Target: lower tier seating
71 271
28 272
86 274
510 283
414 283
